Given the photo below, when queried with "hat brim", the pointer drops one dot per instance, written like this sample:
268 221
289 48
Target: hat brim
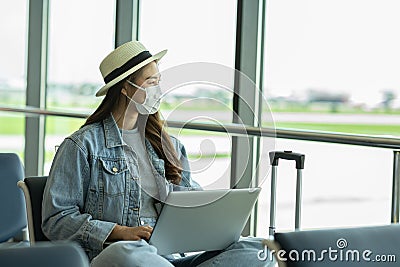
103 90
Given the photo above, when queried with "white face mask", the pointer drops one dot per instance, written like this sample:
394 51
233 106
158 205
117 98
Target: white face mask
152 101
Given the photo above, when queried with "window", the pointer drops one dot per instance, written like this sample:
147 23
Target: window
333 66
193 32
343 186
76 48
13 28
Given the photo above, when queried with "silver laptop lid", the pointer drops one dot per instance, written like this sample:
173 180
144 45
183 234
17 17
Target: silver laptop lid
202 220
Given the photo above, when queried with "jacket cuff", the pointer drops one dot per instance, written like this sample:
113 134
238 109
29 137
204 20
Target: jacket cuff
96 233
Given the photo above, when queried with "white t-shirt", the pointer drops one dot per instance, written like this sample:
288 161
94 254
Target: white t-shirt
149 189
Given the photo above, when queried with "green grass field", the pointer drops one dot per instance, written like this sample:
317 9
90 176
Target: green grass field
365 129
54 125
15 125
65 126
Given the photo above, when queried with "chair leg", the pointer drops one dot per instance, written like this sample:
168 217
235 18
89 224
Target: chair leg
25 234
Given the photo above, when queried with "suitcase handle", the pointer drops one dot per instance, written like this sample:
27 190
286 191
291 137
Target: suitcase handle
274 157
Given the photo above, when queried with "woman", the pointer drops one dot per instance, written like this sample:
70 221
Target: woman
107 178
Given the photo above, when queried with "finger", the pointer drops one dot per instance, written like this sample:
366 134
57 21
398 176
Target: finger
144 234
146 228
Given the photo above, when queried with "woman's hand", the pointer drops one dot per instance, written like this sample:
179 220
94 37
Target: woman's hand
130 233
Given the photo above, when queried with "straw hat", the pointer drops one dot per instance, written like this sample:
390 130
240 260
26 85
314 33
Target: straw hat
123 61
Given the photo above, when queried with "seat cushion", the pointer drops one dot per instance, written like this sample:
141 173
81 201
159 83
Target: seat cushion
341 247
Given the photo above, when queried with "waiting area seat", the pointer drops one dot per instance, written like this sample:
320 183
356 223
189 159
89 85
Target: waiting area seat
12 204
354 247
33 188
14 211
44 254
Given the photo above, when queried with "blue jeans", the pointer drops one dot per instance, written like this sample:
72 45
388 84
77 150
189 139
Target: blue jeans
140 253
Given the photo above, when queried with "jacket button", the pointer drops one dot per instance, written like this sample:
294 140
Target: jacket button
114 169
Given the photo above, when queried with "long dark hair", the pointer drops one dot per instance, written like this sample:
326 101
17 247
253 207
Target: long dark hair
153 128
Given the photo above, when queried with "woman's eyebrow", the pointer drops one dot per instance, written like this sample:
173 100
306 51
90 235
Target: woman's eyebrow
156 76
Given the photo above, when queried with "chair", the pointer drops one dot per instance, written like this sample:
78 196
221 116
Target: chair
46 254
33 188
12 206
355 247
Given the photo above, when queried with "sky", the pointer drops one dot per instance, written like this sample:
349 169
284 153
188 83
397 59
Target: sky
344 46
347 46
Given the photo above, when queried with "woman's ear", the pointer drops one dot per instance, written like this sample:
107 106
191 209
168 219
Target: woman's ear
123 91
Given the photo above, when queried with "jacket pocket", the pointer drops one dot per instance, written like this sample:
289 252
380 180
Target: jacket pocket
113 172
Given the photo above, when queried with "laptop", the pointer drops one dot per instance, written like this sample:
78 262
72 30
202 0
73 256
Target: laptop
192 221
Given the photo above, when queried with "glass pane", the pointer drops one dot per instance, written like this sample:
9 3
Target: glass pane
333 65
198 32
13 29
12 52
12 129
76 48
57 128
343 186
209 156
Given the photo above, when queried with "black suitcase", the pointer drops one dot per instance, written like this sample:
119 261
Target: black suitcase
274 157
375 246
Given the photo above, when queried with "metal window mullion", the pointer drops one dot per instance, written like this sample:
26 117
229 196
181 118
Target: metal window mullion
245 150
36 82
126 21
259 102
396 187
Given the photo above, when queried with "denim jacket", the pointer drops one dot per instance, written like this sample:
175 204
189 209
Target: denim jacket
93 185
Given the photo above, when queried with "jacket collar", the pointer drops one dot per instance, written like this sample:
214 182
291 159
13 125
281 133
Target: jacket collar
112 133
114 138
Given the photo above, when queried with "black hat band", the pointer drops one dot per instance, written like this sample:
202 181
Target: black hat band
142 56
